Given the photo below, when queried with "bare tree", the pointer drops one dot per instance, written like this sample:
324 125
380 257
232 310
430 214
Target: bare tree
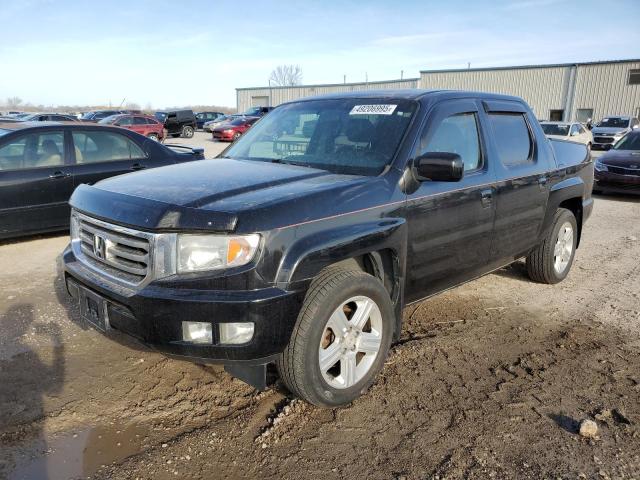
13 102
132 106
286 75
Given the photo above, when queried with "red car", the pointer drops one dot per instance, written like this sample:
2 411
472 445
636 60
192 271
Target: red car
232 130
142 124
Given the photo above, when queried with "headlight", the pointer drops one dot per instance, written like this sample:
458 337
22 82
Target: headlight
599 166
197 253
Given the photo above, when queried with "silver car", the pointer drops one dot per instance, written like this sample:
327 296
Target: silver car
573 131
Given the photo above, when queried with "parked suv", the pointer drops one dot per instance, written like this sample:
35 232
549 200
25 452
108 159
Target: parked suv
178 122
612 129
302 243
143 124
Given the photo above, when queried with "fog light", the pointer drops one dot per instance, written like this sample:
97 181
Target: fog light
197 332
236 333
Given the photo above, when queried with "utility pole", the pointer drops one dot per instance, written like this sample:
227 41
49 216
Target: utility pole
366 77
401 74
269 93
344 78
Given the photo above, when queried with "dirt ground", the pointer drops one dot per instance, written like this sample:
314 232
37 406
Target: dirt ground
489 380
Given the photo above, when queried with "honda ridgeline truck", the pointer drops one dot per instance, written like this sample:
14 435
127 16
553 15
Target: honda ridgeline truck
303 241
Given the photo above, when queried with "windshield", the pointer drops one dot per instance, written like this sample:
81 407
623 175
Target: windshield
88 116
614 122
629 142
350 136
161 116
555 129
110 119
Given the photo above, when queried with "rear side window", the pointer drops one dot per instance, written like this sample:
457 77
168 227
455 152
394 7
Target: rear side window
96 146
139 121
513 138
456 134
32 151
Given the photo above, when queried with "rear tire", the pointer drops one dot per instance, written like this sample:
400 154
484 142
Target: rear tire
551 261
187 132
340 340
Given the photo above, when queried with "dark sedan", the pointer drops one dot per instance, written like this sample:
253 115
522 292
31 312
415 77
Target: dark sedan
618 170
41 163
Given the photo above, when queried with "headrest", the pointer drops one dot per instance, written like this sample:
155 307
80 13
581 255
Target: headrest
359 130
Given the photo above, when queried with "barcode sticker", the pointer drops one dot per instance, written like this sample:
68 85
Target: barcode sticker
372 110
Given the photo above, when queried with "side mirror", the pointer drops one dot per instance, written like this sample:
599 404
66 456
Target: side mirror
440 166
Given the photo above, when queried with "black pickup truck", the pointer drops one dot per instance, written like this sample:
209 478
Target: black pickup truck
301 244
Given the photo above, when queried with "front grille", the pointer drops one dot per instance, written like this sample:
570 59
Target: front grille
119 252
624 171
603 139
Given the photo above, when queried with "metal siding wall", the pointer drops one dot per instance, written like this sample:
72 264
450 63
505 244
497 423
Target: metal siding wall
606 89
541 88
281 95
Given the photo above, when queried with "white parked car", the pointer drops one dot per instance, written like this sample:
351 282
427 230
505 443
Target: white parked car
573 131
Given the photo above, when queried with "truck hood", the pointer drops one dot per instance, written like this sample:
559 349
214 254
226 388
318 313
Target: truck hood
211 194
609 130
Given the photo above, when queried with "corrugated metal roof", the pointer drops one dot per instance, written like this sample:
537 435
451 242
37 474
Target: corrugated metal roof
523 67
348 84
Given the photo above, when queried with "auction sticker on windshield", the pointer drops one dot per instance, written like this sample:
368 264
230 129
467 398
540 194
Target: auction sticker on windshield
372 110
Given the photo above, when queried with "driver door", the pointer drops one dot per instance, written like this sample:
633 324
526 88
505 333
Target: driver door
451 223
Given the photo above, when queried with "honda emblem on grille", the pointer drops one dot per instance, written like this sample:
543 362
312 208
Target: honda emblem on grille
99 247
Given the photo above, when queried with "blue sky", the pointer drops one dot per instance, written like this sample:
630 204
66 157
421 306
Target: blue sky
170 53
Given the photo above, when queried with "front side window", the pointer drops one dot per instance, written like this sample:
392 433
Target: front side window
139 121
349 136
97 146
575 129
456 134
125 121
512 137
33 150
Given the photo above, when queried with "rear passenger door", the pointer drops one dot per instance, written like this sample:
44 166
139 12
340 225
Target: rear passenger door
35 182
451 223
101 154
522 187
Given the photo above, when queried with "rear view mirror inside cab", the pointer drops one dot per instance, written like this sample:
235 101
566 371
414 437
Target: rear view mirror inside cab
439 167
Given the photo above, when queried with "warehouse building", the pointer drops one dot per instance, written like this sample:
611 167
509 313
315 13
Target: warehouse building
570 91
272 96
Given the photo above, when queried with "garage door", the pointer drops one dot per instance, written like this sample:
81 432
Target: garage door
259 101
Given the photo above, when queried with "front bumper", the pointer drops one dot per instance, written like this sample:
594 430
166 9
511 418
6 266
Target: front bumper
154 315
616 183
223 136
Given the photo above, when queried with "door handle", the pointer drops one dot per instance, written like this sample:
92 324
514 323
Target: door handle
59 174
487 197
137 166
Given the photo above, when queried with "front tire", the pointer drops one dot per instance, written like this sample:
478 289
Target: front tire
187 132
236 136
551 261
341 338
